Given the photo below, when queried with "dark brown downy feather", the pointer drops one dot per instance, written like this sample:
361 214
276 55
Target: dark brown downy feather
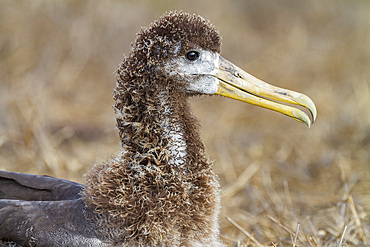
146 200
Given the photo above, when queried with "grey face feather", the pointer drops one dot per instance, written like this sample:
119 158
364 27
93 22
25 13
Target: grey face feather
199 74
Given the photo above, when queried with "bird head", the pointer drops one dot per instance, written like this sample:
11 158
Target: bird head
185 49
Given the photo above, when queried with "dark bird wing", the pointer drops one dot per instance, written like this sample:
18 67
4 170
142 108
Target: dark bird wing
44 211
28 187
47 223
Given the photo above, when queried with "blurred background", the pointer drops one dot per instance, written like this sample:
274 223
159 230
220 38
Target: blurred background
283 183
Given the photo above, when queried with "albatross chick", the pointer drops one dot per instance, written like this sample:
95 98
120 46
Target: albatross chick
160 190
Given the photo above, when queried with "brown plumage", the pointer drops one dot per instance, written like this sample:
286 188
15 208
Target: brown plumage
153 202
160 190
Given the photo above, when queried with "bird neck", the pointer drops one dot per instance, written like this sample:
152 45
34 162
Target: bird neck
158 127
161 186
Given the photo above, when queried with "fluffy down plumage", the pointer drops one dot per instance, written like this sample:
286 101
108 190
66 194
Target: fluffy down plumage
139 198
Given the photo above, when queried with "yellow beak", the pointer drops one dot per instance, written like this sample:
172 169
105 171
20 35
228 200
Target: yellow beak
238 84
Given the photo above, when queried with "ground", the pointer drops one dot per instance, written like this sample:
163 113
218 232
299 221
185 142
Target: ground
283 183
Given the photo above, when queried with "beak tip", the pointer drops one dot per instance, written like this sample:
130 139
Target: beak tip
313 110
302 117
308 103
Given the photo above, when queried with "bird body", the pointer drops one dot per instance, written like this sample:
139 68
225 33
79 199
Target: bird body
44 211
160 190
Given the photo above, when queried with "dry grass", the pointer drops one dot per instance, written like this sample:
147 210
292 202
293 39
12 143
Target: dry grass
284 184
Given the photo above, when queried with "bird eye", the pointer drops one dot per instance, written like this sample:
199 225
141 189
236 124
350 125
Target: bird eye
192 55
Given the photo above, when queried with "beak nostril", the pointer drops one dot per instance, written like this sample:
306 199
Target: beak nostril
238 75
